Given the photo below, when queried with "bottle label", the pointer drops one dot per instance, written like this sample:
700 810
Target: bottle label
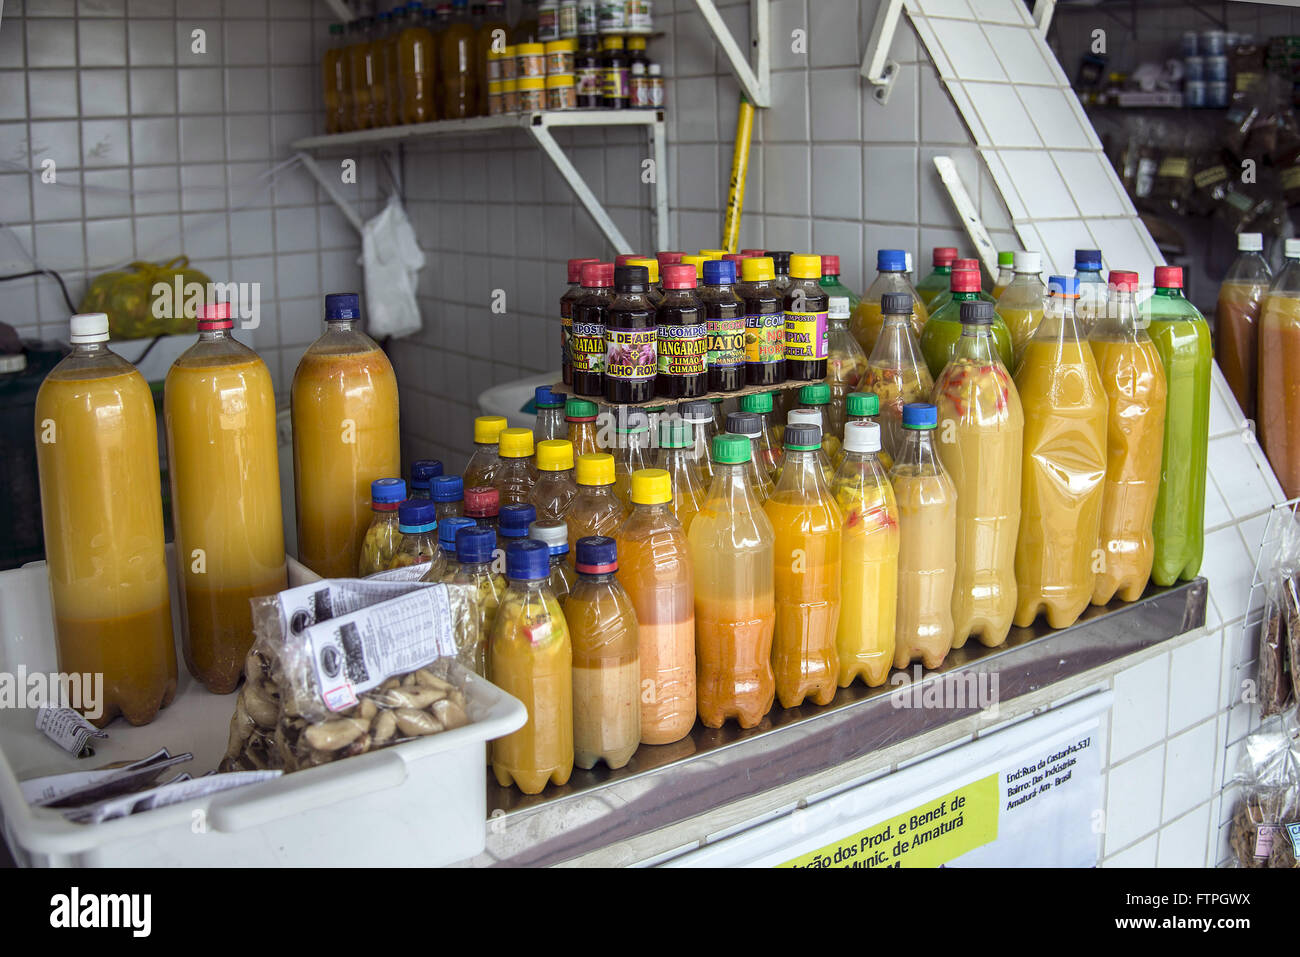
630 353
548 24
616 83
590 81
568 20
588 19
682 349
806 335
636 14
566 330
641 95
726 342
765 337
587 347
611 16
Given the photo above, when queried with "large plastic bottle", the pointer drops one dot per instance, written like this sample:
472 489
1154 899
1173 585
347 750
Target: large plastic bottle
1021 304
1092 289
939 277
532 658
941 300
675 440
768 447
845 365
864 634
656 570
517 474
345 435
101 507
981 435
817 398
1063 467
364 65
596 509
336 79
1134 381
891 276
219 409
943 329
1182 338
896 371
750 426
927 545
417 65
732 545
555 489
485 460
831 285
864 407
1279 367
806 557
698 414
457 60
1236 319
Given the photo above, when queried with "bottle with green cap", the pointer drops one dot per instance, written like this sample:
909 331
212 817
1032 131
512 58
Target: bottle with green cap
750 426
1006 272
632 451
817 398
863 407
806 308
864 636
846 363
927 545
676 439
731 541
768 447
580 418
896 371
596 509
806 528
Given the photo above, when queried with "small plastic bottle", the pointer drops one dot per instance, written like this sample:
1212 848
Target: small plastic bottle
682 338
475 548
448 528
750 426
675 441
698 414
550 414
516 476
768 447
632 452
423 472
587 331
806 307
417 520
580 419
447 492
891 277
631 356
513 522
764 322
483 504
555 534
382 537
555 488
486 458
572 292
945 297
596 509
896 372
724 313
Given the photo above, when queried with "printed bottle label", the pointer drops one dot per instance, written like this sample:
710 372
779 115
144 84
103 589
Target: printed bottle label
616 83
806 335
630 353
566 330
587 347
682 349
726 342
590 81
765 337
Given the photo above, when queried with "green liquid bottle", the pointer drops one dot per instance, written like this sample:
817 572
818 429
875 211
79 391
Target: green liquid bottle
943 329
936 283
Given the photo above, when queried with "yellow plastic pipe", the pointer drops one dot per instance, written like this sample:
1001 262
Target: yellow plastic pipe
739 169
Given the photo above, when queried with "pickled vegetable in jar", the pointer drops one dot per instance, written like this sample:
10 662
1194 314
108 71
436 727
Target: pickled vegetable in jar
379 547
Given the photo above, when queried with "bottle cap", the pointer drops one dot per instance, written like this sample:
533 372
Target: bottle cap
748 424
447 488
805 267
1291 249
595 468
612 43
1087 259
753 252
978 312
634 421
553 533
679 276
387 491
575 268
781 261
527 560
1065 286
891 260
945 255
713 253
530 49
213 316
417 515
554 455
656 69
651 487
89 327
818 393
423 471
488 429
475 544
804 417
544 398
1028 262
719 272
1250 242
759 403
675 434
862 403
516 443
696 410
579 410
651 267
896 304
597 275
861 436
830 265
669 258
965 280
1006 258
596 555
482 502
735 258
342 305
1124 280
514 520
802 438
696 263
758 269
920 415
448 528
1171 277
838 307
632 278
731 449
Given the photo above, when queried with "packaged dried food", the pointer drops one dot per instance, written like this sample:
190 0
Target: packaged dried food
1269 782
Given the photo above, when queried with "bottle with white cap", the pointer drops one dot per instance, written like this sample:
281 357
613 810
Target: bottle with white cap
1236 318
864 637
807 417
101 503
1021 303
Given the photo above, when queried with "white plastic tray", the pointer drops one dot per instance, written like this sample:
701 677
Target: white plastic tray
421 803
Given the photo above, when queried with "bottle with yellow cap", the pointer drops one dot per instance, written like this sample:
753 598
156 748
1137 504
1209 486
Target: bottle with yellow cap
656 570
806 309
676 438
632 451
580 417
713 253
698 262
596 509
764 322
485 461
656 291
555 488
516 476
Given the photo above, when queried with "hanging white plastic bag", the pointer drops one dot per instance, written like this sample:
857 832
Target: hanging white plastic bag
392 260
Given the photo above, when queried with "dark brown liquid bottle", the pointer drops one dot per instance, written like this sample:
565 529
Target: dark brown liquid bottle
631 355
806 314
587 331
764 323
682 337
724 316
571 295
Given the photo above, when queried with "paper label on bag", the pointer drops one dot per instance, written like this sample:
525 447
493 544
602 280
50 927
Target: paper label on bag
180 788
66 728
305 605
359 651
51 787
407 573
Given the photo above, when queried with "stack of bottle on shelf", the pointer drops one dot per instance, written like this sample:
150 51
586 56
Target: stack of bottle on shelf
420 62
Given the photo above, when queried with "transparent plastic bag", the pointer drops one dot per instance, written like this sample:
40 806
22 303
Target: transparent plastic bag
1269 777
1281 622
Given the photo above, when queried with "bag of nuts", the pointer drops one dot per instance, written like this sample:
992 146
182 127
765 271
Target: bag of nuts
1270 800
1279 632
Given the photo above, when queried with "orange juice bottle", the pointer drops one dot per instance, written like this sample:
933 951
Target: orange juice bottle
675 440
516 476
555 489
1021 304
364 66
457 58
768 446
531 657
219 409
1236 319
485 460
1134 380
806 558
345 435
384 51
655 568
596 509
750 426
980 438
896 372
631 453
891 277
927 545
417 68
101 504
335 83
1063 467
580 417
864 634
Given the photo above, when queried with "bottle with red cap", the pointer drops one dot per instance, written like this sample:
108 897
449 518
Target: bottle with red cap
483 505
943 329
830 281
571 295
936 283
219 410
590 313
1182 338
943 298
1134 381
683 340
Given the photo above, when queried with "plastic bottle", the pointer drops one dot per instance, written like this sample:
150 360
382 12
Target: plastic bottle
554 533
549 423
683 341
384 50
1063 467
336 80
555 489
632 452
485 461
1020 305
927 547
448 528
806 307
532 659
657 573
864 635
572 292
896 372
516 476
417 521
724 314
764 323
981 438
768 446
493 26
732 544
807 530
1182 338
345 435
423 472
863 407
945 297
596 509
751 427
845 365
1092 288
817 397
941 332
1134 382
936 283
383 536
101 508
362 67
474 557
580 418
698 414
448 495
417 65
460 69
590 316
1006 272
631 357
891 276
483 504
812 417
781 268
655 289
831 285
676 438
513 522
390 56
1236 319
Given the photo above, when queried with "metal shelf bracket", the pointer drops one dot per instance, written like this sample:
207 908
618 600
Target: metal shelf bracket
876 65
331 189
755 80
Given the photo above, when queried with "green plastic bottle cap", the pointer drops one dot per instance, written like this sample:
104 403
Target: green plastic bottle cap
579 409
1006 258
675 434
817 394
862 403
731 449
760 402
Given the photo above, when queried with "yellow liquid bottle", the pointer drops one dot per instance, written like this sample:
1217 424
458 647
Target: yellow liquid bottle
219 409
896 372
1021 304
864 407
891 276
388 94
1006 273
345 435
458 60
596 509
580 417
335 81
675 441
101 504
417 72
631 453
363 64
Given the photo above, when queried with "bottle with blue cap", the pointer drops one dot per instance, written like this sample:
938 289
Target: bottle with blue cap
531 658
891 276
423 472
896 371
513 522
1063 467
1092 289
447 530
448 495
345 435
554 533
477 564
724 316
417 520
927 544
603 626
383 537
550 422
